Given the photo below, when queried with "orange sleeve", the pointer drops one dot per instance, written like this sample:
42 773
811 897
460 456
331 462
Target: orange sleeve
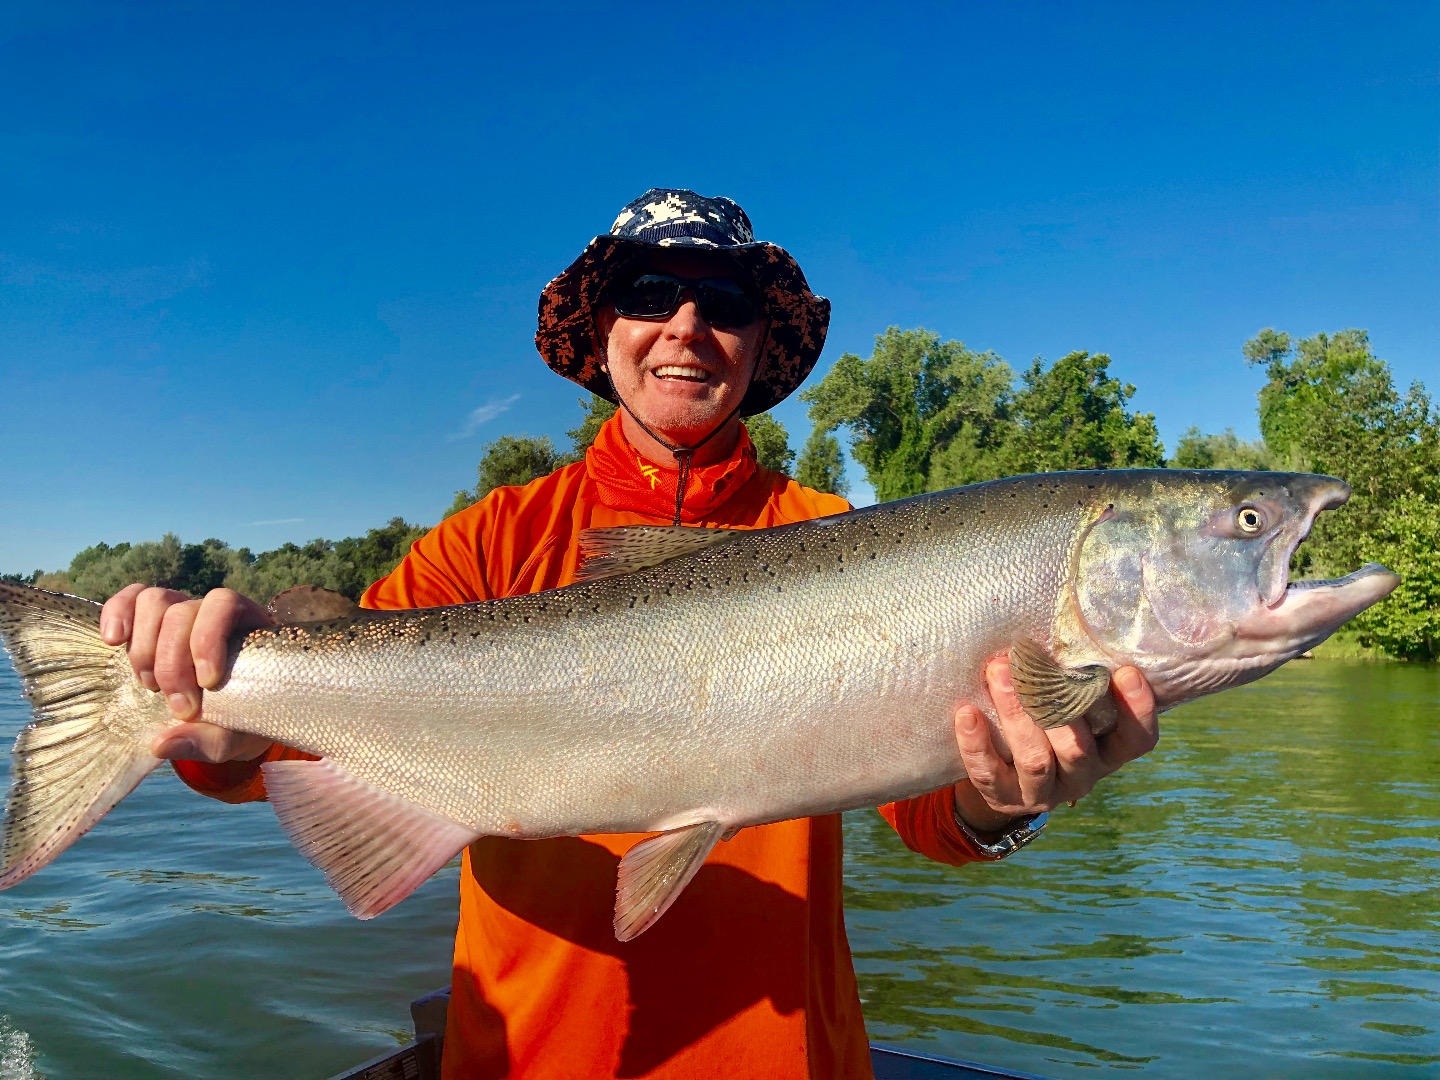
235 781
927 825
445 566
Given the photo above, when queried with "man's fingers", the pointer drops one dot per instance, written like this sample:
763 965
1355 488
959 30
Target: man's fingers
206 742
1030 749
1137 729
150 607
174 668
222 614
989 774
117 616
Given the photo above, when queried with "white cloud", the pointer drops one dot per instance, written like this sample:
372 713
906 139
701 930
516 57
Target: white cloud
272 521
483 415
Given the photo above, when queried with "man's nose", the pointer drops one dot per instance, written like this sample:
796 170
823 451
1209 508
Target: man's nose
687 323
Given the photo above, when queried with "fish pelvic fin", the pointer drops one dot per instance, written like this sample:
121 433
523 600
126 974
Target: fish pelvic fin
374 848
626 548
654 872
1054 695
90 743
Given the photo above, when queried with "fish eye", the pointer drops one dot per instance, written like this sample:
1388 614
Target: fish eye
1249 520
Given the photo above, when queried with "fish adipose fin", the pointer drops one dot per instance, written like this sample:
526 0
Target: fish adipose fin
87 749
655 871
374 848
310 604
1055 695
611 552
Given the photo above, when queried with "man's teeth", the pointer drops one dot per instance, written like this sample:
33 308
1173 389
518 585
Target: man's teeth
676 371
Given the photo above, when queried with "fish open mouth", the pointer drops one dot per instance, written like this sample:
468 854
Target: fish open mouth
1307 611
1276 584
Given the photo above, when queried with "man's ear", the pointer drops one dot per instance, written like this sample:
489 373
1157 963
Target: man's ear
604 323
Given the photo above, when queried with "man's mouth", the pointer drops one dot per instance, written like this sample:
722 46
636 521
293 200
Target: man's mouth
682 372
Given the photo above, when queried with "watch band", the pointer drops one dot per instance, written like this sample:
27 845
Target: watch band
1020 834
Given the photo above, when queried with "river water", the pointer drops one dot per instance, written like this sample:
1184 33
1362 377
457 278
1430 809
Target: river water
1260 896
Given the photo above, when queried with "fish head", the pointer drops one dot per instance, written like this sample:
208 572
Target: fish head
1186 575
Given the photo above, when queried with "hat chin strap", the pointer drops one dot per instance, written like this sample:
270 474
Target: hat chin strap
683 454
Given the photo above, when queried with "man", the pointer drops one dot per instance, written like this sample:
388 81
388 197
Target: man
686 322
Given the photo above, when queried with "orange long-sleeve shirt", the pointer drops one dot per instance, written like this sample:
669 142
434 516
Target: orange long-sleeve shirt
749 973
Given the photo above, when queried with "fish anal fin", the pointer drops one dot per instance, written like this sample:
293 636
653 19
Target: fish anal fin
654 872
374 848
310 604
611 552
1054 695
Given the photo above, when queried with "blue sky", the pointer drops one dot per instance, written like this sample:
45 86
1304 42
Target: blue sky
261 264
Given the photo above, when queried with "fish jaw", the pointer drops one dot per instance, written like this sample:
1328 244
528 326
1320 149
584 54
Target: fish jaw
1308 612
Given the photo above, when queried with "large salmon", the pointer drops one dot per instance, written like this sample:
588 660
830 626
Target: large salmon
701 680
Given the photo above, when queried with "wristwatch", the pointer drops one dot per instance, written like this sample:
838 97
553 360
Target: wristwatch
1019 834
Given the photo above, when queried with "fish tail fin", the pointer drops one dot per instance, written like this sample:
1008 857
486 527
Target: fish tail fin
87 748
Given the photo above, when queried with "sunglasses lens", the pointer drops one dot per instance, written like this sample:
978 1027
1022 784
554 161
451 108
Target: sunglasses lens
725 303
648 296
722 301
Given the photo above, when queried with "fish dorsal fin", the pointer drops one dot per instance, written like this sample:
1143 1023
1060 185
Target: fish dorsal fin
375 848
611 552
655 871
310 604
1054 695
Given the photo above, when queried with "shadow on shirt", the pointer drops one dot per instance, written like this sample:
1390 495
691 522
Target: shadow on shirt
728 942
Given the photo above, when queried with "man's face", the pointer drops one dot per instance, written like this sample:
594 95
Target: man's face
681 375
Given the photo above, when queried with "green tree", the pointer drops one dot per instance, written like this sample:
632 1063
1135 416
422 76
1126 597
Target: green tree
1407 624
910 402
1073 415
597 411
1224 451
772 442
510 460
1330 405
100 571
822 466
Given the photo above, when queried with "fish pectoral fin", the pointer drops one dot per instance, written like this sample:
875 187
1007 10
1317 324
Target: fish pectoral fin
310 604
655 871
1054 695
374 848
611 552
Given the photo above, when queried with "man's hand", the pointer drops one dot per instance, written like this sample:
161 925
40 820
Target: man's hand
1048 767
179 647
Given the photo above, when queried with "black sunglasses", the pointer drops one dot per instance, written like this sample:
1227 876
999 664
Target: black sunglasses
723 302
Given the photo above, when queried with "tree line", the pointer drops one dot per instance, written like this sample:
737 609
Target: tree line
921 414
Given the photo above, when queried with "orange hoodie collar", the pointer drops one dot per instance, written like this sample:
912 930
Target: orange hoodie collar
627 481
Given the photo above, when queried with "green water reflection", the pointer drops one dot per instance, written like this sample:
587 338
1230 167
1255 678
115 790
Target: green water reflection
1260 895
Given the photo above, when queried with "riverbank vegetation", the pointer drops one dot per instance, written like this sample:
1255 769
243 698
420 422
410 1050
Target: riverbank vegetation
922 414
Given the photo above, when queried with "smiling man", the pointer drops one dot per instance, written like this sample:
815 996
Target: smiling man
680 317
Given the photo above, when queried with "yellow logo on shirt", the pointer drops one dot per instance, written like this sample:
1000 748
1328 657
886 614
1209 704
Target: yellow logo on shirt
650 472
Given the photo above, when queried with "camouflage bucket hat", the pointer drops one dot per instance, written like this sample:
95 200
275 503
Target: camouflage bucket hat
674 217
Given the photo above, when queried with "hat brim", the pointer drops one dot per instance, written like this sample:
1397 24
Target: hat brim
566 334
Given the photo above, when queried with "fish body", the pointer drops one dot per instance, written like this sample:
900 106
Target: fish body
706 680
